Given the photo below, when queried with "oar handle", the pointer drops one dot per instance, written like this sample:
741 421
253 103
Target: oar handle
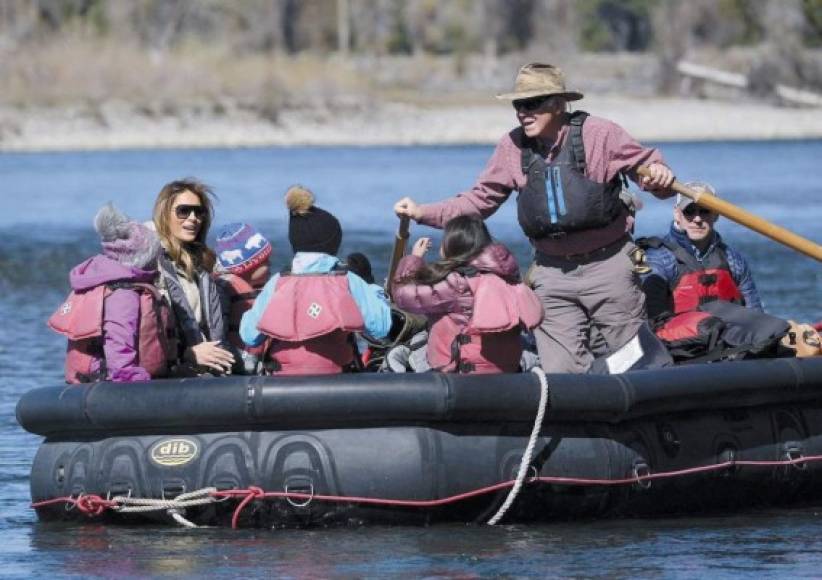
400 243
747 219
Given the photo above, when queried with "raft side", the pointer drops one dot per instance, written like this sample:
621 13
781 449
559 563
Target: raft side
373 400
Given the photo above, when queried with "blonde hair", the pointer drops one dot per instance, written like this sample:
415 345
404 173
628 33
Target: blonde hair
193 255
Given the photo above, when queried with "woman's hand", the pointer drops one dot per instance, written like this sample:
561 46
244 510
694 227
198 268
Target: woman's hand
211 355
408 207
421 247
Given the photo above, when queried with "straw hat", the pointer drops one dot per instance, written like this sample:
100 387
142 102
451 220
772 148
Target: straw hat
537 80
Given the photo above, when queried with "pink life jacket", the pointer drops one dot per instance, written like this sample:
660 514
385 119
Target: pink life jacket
80 319
489 342
241 296
310 318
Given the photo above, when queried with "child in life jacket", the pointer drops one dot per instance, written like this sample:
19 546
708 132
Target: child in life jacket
307 316
473 297
119 327
243 268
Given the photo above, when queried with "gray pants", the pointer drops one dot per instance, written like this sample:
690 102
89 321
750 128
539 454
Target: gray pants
599 291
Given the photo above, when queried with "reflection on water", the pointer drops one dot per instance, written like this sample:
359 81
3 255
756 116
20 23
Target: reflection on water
45 234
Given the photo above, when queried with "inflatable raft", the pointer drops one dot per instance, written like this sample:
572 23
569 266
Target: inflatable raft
393 448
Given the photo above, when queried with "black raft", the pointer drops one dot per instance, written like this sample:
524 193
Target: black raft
388 448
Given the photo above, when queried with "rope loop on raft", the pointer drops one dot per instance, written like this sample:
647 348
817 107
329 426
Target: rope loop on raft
527 455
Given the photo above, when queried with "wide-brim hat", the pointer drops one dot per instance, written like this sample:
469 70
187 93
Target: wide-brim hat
540 80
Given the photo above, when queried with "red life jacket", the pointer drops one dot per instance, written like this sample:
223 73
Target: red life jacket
310 318
80 319
697 283
490 341
701 282
241 296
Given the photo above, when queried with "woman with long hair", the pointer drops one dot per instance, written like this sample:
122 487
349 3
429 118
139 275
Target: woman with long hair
473 298
183 213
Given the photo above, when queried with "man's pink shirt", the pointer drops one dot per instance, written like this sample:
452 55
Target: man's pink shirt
609 150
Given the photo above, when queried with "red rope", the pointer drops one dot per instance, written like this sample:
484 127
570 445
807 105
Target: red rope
93 505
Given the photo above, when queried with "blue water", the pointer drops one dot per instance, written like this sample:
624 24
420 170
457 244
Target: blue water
49 200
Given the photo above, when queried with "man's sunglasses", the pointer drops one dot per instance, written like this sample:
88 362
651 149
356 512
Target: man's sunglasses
692 210
182 211
530 105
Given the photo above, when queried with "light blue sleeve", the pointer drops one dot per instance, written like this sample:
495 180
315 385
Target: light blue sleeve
373 305
248 324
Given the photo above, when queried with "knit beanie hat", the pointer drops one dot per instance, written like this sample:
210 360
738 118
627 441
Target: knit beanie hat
310 229
241 248
125 241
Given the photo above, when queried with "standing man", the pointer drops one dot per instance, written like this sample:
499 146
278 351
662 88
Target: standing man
568 170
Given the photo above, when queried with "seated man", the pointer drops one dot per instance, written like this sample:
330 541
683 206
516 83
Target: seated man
693 276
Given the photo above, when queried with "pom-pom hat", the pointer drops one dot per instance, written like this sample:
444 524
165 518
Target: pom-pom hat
125 241
310 228
241 248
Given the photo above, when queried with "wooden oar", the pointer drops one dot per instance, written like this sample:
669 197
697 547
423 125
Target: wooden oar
747 219
400 243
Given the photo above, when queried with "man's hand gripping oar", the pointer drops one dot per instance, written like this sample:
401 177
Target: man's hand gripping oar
747 219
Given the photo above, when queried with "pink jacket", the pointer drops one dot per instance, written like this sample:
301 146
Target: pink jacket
609 150
487 310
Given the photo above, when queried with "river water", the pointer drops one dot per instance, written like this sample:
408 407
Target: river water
48 202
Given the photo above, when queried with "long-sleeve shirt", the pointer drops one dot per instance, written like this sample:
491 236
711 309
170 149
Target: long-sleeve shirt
609 150
370 299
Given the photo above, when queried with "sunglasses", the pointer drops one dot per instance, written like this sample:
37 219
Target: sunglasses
530 105
182 211
692 210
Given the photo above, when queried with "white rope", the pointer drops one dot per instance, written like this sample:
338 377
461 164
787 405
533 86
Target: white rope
128 504
181 520
529 449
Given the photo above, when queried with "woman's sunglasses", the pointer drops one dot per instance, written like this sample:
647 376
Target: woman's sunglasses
692 210
182 211
530 105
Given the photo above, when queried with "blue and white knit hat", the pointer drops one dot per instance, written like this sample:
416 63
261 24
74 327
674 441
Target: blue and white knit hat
241 248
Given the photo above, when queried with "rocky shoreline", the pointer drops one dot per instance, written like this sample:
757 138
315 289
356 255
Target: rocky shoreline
119 126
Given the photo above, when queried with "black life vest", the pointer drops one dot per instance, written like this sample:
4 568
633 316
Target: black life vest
558 198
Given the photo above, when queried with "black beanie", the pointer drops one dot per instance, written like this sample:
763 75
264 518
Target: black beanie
310 228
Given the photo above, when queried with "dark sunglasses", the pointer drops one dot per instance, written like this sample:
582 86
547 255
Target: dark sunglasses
691 211
530 105
182 211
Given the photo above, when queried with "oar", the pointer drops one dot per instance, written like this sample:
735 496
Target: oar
400 243
747 219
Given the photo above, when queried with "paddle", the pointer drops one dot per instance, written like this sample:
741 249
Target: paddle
400 243
747 219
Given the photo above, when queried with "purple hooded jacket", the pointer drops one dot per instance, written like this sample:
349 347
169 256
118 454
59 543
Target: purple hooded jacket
121 315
